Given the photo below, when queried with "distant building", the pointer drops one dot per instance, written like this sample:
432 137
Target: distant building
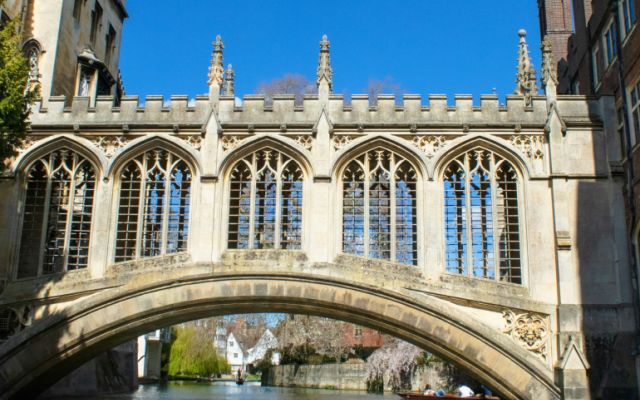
235 354
267 341
359 336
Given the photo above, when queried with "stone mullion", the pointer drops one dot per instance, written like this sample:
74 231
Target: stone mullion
392 211
166 209
494 218
142 210
365 206
468 223
45 216
67 231
252 201
278 205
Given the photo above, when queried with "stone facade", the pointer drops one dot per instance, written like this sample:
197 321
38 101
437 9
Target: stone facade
74 44
262 214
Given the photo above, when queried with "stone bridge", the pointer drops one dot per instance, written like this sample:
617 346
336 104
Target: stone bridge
491 234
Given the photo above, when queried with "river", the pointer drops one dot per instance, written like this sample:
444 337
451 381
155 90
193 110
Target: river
231 391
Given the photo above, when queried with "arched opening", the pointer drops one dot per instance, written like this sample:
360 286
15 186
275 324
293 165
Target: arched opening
380 206
265 201
91 326
482 216
154 204
57 213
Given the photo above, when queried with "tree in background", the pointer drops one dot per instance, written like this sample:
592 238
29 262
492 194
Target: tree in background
15 101
291 83
193 354
397 358
298 334
377 87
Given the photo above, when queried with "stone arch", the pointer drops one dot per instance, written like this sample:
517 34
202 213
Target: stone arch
139 146
522 168
53 346
44 146
286 146
490 142
357 147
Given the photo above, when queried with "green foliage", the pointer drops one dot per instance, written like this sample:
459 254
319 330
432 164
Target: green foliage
193 354
14 104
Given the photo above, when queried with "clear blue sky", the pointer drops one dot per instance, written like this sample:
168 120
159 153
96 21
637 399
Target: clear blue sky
425 46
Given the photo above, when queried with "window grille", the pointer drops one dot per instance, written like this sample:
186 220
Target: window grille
154 206
480 209
379 207
265 202
58 207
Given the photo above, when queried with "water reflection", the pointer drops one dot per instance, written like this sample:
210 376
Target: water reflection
231 391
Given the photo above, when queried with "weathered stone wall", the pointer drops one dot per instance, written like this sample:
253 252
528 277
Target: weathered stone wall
326 376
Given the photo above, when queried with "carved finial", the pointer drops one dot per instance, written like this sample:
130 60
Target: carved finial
548 72
228 81
324 64
526 76
216 70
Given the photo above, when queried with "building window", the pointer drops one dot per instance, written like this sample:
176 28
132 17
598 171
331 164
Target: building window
621 135
635 110
357 331
481 208
77 9
628 16
96 18
379 207
84 81
32 53
56 224
265 202
110 44
4 19
154 205
235 355
609 43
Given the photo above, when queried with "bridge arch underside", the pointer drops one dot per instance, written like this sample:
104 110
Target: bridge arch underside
54 346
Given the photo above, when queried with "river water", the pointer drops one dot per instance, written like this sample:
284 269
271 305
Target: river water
231 391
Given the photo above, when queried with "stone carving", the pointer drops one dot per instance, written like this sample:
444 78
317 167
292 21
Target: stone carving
194 140
216 70
530 145
230 142
340 142
27 143
429 145
110 144
530 330
305 141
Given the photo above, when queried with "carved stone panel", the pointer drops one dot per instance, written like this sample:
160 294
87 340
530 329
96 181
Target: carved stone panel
429 145
305 141
194 141
341 141
529 330
109 145
230 142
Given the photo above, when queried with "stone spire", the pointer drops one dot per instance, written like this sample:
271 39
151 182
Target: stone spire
325 73
216 70
228 81
526 77
549 75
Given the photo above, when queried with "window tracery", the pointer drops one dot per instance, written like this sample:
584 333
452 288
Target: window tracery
265 202
57 214
482 230
379 207
154 206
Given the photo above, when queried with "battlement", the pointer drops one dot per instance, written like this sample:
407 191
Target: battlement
387 111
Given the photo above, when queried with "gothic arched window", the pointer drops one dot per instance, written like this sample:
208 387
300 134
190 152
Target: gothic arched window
379 207
482 229
56 225
154 205
265 202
